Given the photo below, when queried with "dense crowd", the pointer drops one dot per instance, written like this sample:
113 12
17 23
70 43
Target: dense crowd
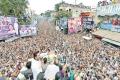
52 55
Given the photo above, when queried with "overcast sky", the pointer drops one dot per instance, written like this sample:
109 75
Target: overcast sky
40 6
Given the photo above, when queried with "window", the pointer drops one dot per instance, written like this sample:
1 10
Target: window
60 9
70 10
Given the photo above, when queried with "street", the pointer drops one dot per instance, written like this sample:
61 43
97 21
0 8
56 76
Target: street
76 50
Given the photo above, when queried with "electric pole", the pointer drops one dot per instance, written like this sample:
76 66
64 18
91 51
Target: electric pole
62 1
75 2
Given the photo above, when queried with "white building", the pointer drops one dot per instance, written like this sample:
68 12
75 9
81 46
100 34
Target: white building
76 10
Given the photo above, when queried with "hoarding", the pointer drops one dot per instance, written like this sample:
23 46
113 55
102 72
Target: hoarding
27 30
7 28
74 25
110 26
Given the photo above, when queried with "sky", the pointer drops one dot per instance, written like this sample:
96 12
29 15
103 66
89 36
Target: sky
40 6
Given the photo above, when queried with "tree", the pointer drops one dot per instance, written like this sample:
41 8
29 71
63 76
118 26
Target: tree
5 7
42 14
58 5
15 8
47 13
62 14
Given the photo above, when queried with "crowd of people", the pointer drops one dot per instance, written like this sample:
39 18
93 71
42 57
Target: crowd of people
52 55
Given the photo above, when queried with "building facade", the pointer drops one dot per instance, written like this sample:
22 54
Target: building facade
76 10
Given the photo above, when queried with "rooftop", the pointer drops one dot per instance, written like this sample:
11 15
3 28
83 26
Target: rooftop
80 5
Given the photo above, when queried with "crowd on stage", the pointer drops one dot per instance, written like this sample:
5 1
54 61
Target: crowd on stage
52 55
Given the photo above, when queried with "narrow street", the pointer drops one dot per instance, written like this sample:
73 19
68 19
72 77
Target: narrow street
59 40
74 48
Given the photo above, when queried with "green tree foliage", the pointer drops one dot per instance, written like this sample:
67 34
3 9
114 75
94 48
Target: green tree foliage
48 14
15 8
57 7
62 14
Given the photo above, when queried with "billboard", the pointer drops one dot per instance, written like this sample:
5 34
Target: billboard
7 28
74 25
27 30
111 27
63 23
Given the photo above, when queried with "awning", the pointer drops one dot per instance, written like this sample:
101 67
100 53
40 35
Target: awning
111 41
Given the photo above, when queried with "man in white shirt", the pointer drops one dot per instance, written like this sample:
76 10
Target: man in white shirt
35 66
51 71
44 55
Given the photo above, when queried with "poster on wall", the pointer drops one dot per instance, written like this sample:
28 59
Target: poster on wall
7 28
63 23
74 25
